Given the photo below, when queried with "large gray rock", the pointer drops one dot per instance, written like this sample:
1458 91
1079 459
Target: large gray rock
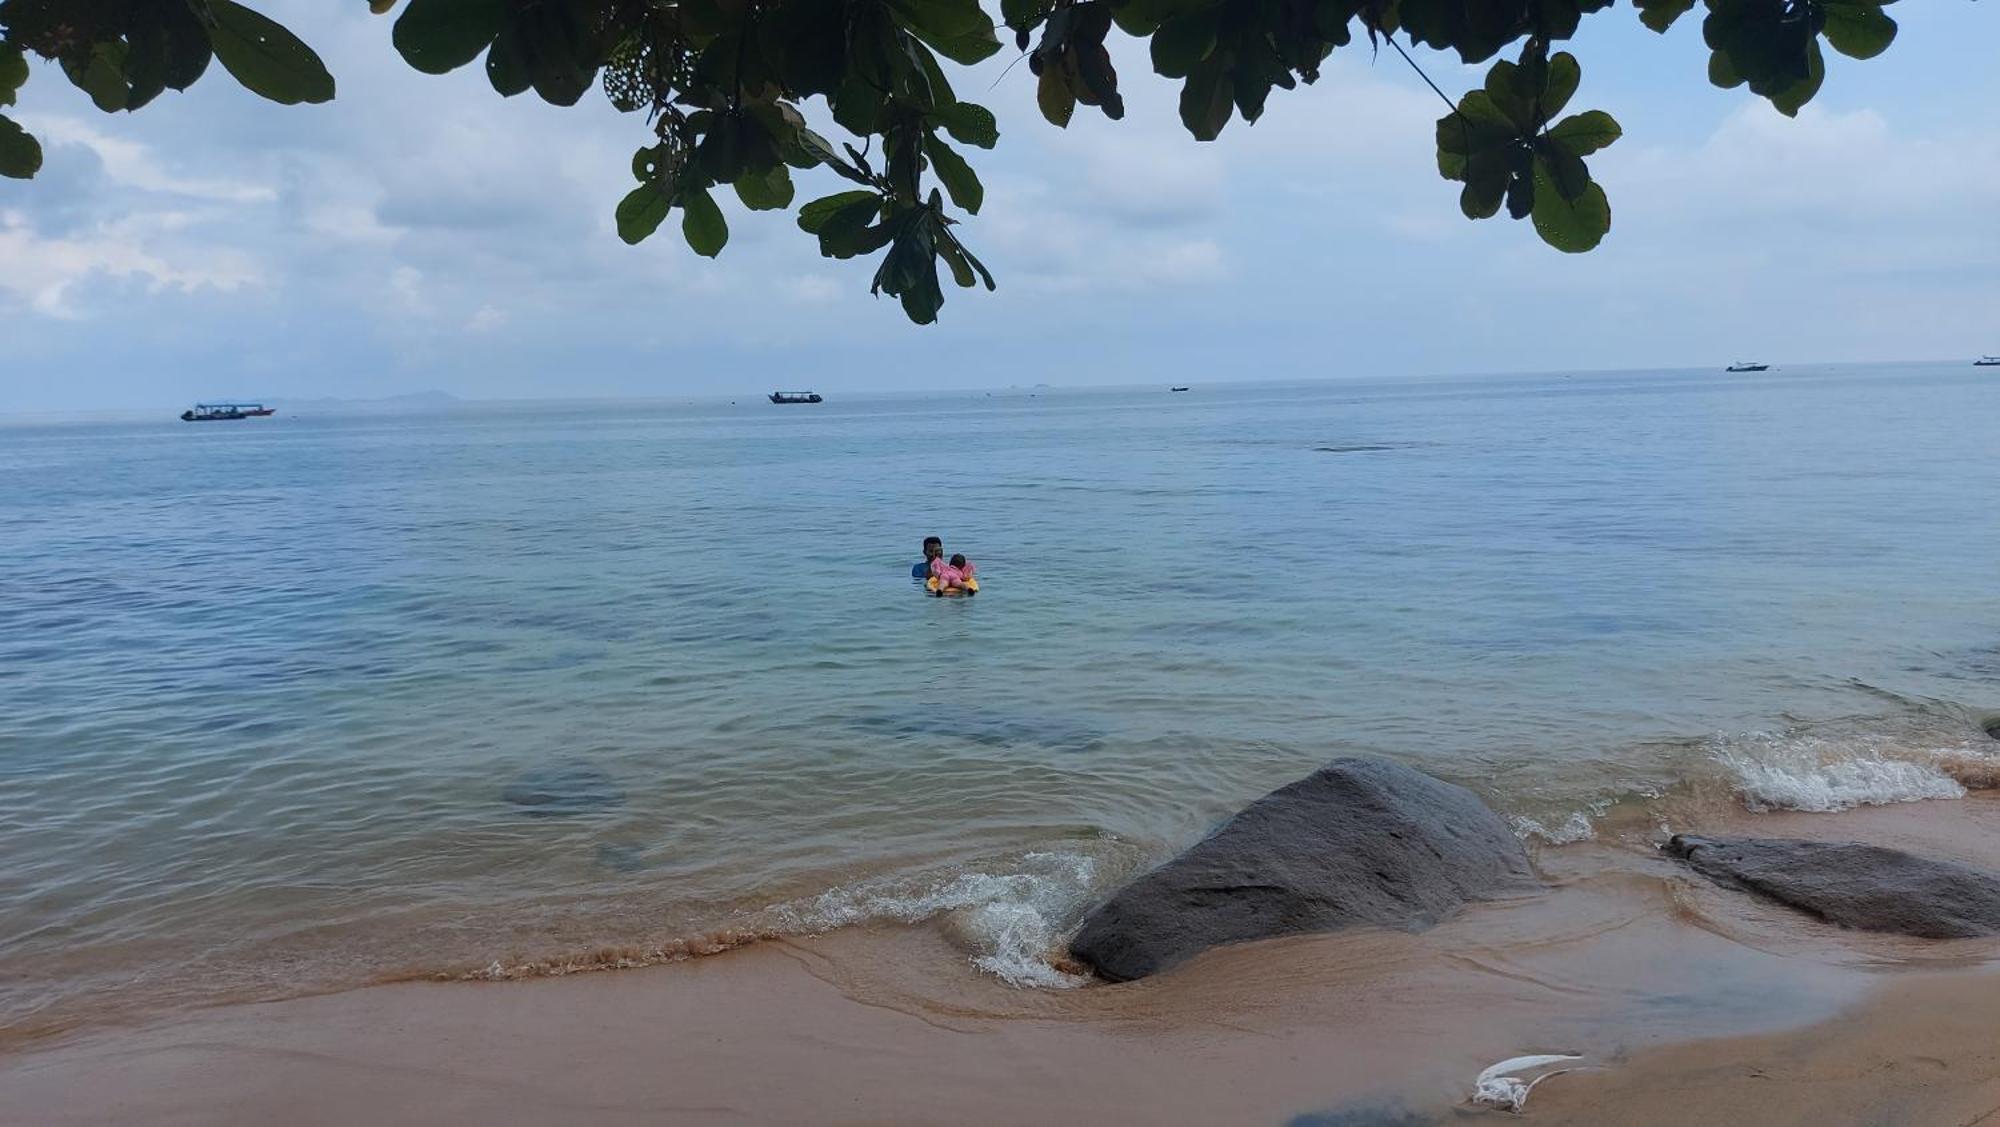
1360 841
1859 886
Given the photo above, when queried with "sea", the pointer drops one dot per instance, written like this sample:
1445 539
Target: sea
339 697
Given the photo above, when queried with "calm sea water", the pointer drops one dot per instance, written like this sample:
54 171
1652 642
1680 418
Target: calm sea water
272 693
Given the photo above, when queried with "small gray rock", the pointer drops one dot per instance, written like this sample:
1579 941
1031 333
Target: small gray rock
571 788
1865 887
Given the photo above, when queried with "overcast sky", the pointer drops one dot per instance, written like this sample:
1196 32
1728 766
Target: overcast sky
423 233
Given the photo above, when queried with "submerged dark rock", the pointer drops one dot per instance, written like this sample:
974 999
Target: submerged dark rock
1866 887
620 857
1360 841
570 788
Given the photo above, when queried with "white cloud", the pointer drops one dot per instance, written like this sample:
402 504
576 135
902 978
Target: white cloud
1322 233
135 165
44 272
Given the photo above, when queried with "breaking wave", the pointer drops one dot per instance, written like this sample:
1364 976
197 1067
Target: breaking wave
1012 922
1822 774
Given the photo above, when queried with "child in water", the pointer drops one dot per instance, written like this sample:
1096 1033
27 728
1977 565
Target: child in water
954 574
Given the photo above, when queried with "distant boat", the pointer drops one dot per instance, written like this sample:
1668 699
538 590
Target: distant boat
1177 389
1747 366
1987 362
221 412
796 397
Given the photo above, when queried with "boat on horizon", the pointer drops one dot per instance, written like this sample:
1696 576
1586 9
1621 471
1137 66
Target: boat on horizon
223 412
1987 362
1177 389
1747 366
796 397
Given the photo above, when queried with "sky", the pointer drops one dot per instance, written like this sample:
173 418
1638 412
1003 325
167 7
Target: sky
420 233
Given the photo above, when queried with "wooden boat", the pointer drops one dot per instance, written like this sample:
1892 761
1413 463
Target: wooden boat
224 412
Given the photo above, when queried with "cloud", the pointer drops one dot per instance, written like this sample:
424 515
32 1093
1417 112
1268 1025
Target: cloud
421 231
43 272
134 165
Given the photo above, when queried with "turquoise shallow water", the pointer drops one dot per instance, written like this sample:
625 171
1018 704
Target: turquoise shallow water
266 688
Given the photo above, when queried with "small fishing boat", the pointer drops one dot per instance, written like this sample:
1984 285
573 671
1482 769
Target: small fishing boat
1177 389
1987 362
796 397
1747 366
222 412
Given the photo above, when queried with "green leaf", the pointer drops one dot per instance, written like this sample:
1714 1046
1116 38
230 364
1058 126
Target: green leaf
857 106
1567 170
20 153
102 75
1661 14
1510 91
1722 72
814 216
267 59
956 175
1206 99
1480 199
769 190
854 230
642 211
964 267
13 72
1054 96
702 223
1100 78
1569 225
436 36
1585 133
1181 44
1564 77
1858 29
506 66
957 29
169 48
1020 13
1793 98
968 123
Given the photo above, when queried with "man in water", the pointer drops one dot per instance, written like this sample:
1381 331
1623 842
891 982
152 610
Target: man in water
933 549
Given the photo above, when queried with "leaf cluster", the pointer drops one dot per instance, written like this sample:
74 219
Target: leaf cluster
724 87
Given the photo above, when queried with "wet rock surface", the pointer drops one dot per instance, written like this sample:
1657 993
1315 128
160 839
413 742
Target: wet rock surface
1360 841
1866 887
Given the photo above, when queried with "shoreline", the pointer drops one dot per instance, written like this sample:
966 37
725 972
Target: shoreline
802 1042
1680 995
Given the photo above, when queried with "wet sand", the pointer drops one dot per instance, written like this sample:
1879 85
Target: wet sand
1690 1004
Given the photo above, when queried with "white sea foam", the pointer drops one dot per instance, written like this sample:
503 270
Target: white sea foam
1794 771
1578 826
1010 921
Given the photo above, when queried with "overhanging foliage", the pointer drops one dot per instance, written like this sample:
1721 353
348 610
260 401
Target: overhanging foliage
723 83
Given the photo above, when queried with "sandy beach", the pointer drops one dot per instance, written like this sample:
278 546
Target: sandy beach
1689 1004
